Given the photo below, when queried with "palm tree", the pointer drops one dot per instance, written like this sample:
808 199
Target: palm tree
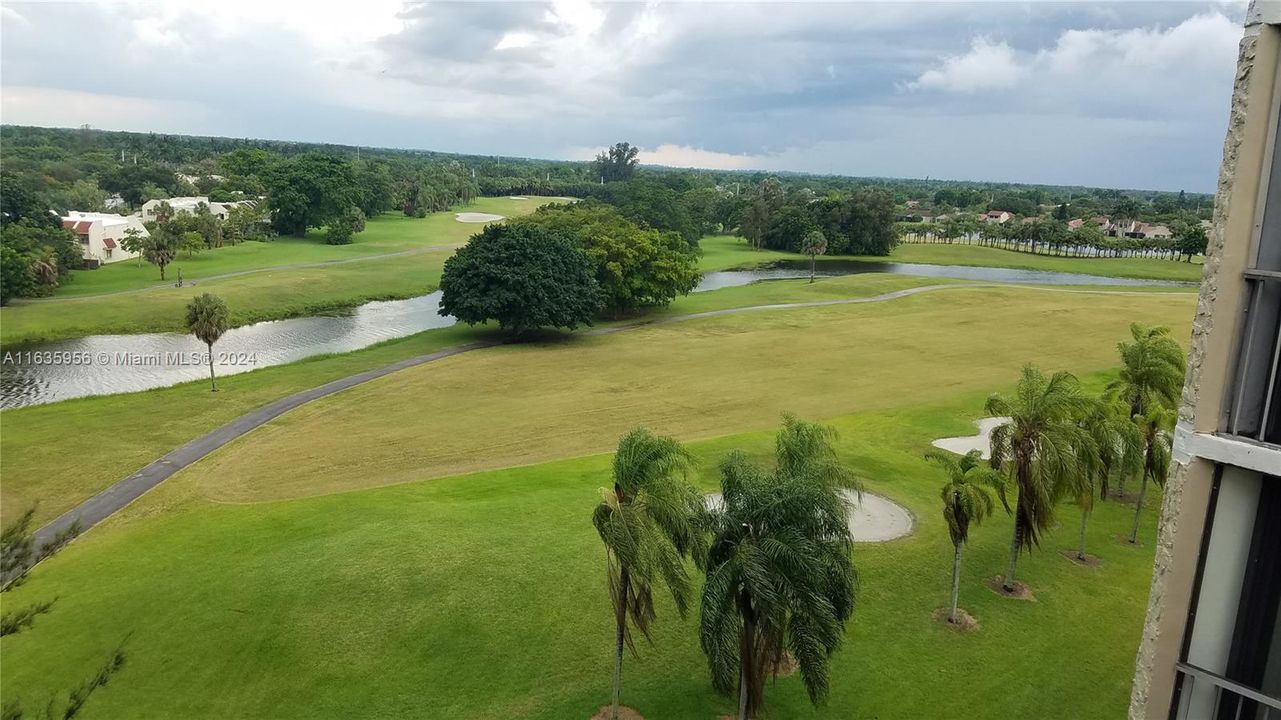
207 320
814 243
1042 448
1118 445
1155 426
966 500
1149 385
650 522
779 572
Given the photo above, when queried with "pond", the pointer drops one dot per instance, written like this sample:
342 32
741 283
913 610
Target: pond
106 364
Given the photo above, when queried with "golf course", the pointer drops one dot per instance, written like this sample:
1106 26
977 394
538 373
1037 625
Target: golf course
421 545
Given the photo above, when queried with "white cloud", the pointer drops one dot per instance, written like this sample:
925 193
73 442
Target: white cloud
24 105
987 66
685 156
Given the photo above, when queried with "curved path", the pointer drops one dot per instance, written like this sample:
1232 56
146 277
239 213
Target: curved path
241 273
114 498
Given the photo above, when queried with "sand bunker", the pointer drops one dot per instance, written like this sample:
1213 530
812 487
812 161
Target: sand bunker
981 442
873 519
516 197
470 217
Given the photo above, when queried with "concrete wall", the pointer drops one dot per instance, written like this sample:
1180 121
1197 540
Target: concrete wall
1210 363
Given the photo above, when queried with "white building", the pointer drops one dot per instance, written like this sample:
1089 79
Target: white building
998 217
220 210
101 235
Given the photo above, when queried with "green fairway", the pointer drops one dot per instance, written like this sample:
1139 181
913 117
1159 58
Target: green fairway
727 251
149 424
483 596
271 284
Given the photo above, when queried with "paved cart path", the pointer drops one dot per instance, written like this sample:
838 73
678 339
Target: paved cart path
114 498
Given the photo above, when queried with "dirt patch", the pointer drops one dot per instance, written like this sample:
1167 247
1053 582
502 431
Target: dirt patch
965 622
1087 561
1021 591
624 713
1125 540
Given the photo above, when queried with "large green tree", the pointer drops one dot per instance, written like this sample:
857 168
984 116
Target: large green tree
311 190
1043 449
651 523
779 573
634 267
967 501
522 277
617 163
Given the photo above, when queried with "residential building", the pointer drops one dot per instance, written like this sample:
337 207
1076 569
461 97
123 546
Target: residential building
1211 646
101 235
220 210
997 216
1075 224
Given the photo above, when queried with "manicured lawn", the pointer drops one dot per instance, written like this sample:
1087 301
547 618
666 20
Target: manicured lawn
278 291
483 596
726 251
146 425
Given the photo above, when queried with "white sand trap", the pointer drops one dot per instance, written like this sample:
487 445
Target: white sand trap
981 442
873 519
477 217
516 197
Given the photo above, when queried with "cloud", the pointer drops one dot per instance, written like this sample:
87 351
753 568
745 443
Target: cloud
903 89
987 66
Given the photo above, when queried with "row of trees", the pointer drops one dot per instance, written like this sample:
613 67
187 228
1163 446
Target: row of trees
563 267
1053 237
775 552
1062 444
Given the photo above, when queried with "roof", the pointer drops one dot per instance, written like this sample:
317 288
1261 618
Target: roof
996 213
108 242
79 227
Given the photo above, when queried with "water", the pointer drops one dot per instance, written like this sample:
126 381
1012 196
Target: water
105 364
787 269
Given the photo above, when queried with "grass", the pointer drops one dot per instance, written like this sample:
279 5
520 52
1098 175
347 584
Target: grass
274 289
726 251
148 424
482 596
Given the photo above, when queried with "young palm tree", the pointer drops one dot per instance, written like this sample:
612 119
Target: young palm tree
967 500
1155 427
1119 448
207 320
1043 448
650 521
779 572
813 244
1149 384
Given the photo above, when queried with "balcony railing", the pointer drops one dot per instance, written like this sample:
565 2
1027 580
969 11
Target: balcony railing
1256 400
1203 695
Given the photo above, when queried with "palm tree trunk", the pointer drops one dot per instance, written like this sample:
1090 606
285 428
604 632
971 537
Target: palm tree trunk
1138 508
212 382
956 582
624 585
811 268
746 659
1080 545
1008 581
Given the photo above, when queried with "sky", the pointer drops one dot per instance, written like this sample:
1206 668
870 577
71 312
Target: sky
1132 95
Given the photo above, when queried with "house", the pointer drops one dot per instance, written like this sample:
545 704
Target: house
1075 224
998 217
1210 641
220 210
1102 221
1156 232
101 235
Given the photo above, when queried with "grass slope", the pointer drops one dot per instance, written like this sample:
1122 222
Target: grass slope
278 291
146 425
726 251
482 596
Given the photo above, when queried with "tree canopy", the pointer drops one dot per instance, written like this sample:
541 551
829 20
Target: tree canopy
618 162
521 276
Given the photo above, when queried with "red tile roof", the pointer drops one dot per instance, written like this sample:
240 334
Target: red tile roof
109 242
